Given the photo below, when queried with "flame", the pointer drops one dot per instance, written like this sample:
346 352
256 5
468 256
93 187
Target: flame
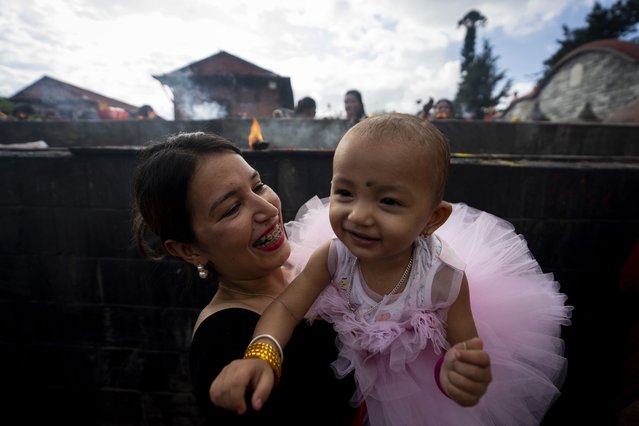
256 134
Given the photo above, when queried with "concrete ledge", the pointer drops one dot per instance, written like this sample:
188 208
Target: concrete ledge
465 136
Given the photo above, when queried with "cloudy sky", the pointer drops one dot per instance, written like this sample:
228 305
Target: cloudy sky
394 51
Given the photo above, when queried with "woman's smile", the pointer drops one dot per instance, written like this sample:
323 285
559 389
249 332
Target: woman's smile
272 239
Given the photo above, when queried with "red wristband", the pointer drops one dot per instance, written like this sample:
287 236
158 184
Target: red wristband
438 369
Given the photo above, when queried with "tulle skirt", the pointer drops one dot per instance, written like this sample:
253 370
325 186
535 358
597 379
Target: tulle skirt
518 310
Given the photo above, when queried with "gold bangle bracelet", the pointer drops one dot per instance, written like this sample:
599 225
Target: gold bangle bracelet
269 354
272 339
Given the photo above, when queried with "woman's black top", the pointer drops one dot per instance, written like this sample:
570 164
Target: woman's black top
308 392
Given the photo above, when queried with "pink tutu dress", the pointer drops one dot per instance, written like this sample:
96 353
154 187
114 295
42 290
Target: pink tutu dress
393 342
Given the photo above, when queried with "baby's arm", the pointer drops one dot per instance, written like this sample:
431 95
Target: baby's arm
278 321
281 316
460 324
465 372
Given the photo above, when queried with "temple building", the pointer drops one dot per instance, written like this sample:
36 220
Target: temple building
224 85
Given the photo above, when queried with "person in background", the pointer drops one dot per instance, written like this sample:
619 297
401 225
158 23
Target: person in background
425 111
197 196
145 112
400 294
491 113
306 108
23 112
444 109
354 106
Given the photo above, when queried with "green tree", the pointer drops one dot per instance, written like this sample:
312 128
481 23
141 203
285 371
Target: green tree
616 21
471 20
6 106
478 90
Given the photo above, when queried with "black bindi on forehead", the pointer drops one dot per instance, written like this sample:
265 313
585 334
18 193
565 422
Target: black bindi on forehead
369 184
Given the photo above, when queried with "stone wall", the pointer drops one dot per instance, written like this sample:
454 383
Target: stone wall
605 79
92 334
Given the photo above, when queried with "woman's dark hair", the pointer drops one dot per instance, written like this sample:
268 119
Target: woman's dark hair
358 95
161 183
305 104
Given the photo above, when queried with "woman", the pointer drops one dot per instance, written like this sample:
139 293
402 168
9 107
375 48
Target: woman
208 207
306 108
354 106
444 109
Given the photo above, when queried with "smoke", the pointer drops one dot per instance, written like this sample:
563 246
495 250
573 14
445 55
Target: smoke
194 101
205 111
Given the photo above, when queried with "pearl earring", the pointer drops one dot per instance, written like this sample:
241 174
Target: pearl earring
202 271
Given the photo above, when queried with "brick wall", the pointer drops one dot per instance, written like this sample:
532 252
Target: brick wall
91 334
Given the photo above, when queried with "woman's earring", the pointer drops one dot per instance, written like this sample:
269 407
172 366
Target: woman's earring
202 271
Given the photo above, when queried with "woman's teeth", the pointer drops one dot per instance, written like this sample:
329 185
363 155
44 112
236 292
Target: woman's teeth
270 238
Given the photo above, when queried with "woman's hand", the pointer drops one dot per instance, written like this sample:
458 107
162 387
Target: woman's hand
229 387
465 373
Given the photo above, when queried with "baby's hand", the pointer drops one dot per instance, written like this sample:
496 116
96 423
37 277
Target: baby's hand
465 373
229 387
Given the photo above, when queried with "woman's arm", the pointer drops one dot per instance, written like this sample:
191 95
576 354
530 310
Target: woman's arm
221 338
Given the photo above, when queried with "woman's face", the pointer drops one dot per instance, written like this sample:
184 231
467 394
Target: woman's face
309 113
352 106
236 219
442 110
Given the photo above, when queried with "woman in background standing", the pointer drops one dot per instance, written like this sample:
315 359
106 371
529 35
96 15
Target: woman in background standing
354 106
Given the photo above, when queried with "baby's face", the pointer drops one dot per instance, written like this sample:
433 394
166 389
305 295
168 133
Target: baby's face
381 196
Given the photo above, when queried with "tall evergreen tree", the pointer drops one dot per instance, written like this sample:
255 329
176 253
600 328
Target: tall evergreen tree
480 76
471 20
613 22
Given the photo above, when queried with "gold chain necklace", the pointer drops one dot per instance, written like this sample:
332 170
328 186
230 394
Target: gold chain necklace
274 298
401 281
